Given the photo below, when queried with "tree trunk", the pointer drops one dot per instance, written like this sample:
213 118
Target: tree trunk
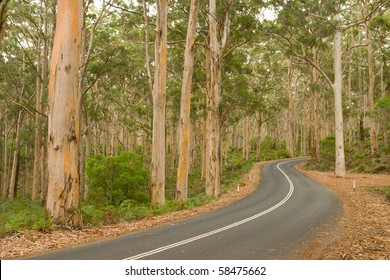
371 93
63 197
41 87
314 109
291 111
337 89
4 191
384 118
246 138
349 88
213 153
15 163
147 40
157 188
185 106
259 125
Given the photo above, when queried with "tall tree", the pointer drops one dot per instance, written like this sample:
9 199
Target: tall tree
157 180
185 106
63 197
215 63
337 90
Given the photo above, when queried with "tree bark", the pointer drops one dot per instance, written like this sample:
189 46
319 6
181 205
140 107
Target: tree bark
314 109
41 87
371 93
337 89
213 152
4 191
157 188
291 111
349 88
63 197
147 40
185 106
15 163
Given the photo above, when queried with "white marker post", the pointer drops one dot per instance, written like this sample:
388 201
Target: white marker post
354 185
238 187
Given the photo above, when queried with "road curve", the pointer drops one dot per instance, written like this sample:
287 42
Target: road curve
270 224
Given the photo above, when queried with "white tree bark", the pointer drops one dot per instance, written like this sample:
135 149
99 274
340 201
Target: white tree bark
337 89
157 188
185 106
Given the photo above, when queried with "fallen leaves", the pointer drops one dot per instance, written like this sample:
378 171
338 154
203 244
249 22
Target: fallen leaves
365 233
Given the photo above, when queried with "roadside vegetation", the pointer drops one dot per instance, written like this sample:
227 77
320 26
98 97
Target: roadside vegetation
358 160
119 190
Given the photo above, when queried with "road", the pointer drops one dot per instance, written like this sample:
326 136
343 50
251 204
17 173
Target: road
270 224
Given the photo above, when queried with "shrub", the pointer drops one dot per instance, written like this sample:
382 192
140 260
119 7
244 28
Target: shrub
21 213
117 178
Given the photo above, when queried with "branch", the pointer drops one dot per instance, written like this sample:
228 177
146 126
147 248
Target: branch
311 62
235 47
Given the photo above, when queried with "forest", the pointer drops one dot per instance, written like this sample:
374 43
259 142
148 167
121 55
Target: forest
115 110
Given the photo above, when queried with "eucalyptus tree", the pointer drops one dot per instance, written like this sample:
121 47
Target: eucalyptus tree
157 180
184 123
63 197
310 25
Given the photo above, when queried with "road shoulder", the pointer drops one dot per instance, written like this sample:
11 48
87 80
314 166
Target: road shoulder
363 232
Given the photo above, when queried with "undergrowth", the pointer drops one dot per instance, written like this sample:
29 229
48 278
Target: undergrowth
118 190
358 160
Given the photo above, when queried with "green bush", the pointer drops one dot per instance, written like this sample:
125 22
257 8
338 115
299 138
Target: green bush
116 178
21 213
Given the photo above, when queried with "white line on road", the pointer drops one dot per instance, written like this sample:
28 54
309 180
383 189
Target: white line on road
204 235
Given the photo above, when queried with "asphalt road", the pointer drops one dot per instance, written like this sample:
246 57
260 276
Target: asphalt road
270 224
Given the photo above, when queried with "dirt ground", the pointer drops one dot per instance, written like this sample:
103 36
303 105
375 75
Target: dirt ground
363 232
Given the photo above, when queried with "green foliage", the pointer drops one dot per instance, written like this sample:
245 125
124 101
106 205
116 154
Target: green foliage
383 191
115 179
269 150
21 213
359 160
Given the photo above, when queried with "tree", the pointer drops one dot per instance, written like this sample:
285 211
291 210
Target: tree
63 198
157 180
185 106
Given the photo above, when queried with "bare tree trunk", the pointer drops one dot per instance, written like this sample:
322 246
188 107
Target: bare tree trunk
337 89
314 109
204 148
147 40
63 198
41 86
246 138
185 106
157 189
384 119
349 88
259 126
15 163
371 93
214 96
291 111
4 191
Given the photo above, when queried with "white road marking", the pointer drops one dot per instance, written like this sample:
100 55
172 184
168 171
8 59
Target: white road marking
192 239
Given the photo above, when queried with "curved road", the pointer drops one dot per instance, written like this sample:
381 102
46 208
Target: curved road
269 224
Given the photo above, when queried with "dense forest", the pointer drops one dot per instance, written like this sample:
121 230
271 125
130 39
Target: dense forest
115 109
